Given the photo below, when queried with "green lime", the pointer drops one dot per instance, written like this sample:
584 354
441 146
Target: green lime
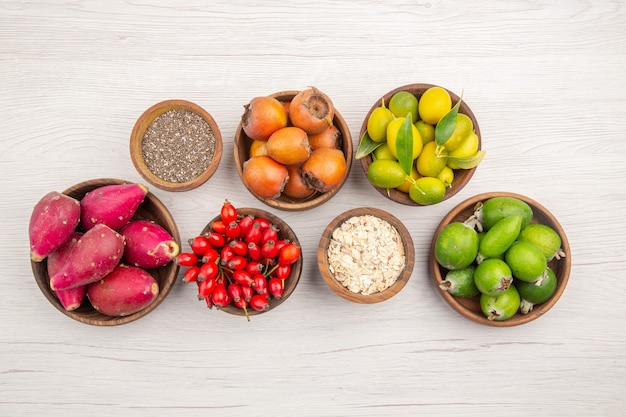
460 282
383 152
386 173
427 131
545 238
493 276
403 103
502 306
499 238
532 294
456 246
377 123
526 261
427 190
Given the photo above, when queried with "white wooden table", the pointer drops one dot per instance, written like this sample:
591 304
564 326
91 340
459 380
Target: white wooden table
547 83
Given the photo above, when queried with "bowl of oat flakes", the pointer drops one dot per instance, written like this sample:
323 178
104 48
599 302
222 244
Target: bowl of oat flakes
366 255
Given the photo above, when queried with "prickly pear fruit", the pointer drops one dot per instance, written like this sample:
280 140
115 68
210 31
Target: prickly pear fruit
53 220
148 245
71 298
126 290
113 205
95 254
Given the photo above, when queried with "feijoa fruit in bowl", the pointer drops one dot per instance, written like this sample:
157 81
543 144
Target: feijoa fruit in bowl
293 149
430 139
500 259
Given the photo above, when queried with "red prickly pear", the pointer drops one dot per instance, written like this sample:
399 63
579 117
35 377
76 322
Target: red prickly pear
72 298
113 205
95 254
53 220
126 290
148 245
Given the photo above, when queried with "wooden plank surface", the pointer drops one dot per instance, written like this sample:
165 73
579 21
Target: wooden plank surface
546 81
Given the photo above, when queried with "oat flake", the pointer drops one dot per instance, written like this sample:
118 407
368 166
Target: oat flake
366 254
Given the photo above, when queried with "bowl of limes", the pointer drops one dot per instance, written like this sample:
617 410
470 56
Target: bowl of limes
500 259
419 144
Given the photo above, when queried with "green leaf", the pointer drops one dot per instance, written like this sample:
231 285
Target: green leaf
366 146
445 127
404 144
470 161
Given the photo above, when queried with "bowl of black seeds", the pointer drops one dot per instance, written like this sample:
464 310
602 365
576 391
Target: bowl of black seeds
176 145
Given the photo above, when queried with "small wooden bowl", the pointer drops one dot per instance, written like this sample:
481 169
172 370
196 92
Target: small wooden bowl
284 232
137 137
470 307
151 209
242 154
461 176
336 286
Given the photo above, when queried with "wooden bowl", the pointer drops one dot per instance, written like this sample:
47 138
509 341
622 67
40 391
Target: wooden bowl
151 209
284 232
336 286
137 139
461 176
470 307
242 154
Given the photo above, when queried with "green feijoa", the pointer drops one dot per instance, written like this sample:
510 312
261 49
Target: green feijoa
502 306
536 293
526 261
456 246
497 208
499 238
493 276
386 173
460 282
545 238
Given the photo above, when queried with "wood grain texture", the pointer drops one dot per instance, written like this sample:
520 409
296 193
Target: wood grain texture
544 79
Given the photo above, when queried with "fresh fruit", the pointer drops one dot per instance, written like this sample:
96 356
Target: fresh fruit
427 190
409 180
296 188
148 245
527 261
434 104
112 205
71 298
377 123
327 138
402 103
545 238
502 306
496 208
386 173
262 117
429 162
466 149
499 238
446 176
392 137
124 291
258 147
325 169
427 131
264 176
456 246
493 276
312 111
289 146
53 220
464 126
460 282
97 252
533 294
383 152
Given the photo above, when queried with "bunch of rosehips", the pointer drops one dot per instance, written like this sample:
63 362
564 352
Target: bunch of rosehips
240 261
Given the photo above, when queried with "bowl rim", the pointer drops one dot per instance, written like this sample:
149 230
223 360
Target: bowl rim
41 274
316 199
139 130
336 286
460 181
291 282
539 310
